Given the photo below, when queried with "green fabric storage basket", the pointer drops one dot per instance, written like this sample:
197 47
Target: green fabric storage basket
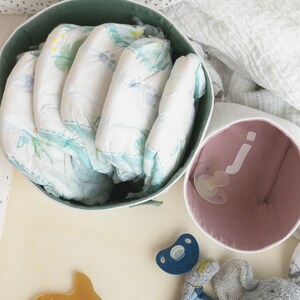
95 12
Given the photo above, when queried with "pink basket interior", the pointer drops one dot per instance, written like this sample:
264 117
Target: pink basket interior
263 204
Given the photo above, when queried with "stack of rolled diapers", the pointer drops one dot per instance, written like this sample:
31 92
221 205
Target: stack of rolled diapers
93 107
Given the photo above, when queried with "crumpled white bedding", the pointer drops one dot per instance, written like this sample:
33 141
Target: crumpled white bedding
258 39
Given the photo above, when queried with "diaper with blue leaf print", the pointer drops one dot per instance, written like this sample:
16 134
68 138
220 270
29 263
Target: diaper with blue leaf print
89 78
131 105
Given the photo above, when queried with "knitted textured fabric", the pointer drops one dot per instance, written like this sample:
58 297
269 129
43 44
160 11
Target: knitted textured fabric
234 278
273 289
294 272
235 281
201 273
297 234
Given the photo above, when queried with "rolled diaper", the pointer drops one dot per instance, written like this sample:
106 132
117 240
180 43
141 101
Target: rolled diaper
131 105
52 69
61 175
170 133
89 78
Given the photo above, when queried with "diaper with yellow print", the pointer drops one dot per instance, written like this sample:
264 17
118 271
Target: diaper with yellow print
51 71
61 175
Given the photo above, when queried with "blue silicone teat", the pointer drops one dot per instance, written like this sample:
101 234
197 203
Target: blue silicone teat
181 257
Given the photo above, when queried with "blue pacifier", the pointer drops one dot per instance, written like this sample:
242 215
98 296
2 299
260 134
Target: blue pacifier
181 257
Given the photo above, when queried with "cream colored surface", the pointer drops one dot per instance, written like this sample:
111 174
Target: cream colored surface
44 242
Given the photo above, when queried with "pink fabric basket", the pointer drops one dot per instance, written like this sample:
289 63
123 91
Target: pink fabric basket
260 154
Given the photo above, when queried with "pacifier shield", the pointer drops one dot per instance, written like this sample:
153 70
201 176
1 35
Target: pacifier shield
181 257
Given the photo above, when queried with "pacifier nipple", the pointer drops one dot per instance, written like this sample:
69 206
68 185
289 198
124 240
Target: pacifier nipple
208 184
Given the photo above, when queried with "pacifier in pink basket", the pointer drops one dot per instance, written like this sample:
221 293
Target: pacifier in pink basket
209 183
